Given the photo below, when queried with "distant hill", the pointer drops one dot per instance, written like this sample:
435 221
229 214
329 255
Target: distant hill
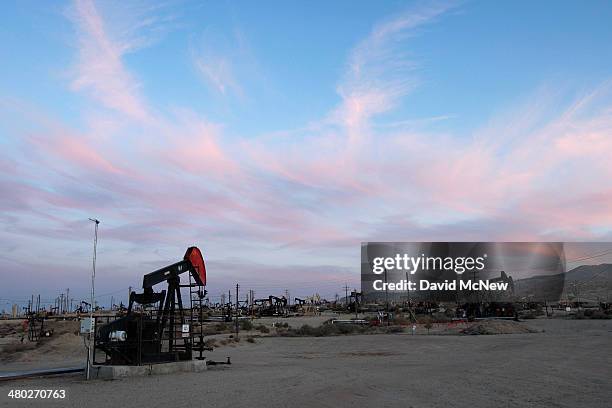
602 272
588 282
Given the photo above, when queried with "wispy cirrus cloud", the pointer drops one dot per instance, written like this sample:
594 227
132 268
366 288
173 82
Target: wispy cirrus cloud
379 72
100 70
219 61
218 72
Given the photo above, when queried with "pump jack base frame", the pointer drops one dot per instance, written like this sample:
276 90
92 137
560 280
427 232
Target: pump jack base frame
113 372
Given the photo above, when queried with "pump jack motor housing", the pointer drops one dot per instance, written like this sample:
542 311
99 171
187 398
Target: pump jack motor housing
157 328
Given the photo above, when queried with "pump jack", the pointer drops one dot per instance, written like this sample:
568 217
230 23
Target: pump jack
147 334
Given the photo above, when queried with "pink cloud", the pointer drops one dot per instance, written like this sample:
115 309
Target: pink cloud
100 70
192 144
83 155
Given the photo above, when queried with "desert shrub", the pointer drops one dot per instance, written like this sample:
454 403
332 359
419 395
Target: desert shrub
401 320
371 319
262 328
596 314
324 330
221 327
333 329
346 328
440 318
246 325
327 330
422 319
394 329
250 339
8 329
427 323
305 330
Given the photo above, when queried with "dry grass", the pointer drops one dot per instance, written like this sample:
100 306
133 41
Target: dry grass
496 327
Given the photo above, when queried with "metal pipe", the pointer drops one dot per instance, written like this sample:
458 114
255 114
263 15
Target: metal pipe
92 302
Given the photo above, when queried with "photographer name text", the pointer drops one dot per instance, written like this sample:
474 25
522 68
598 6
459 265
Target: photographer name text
423 284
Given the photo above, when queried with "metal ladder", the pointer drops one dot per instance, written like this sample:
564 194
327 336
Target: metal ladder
196 298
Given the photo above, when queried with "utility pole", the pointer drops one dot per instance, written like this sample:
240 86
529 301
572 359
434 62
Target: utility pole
237 286
346 300
386 297
408 290
251 309
356 304
91 308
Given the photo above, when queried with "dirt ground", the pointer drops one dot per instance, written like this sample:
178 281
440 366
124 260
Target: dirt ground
567 363
64 348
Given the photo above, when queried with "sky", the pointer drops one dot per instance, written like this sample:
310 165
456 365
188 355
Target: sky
279 135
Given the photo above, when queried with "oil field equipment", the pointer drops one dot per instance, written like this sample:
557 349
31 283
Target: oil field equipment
36 321
271 306
504 278
157 328
356 299
298 305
